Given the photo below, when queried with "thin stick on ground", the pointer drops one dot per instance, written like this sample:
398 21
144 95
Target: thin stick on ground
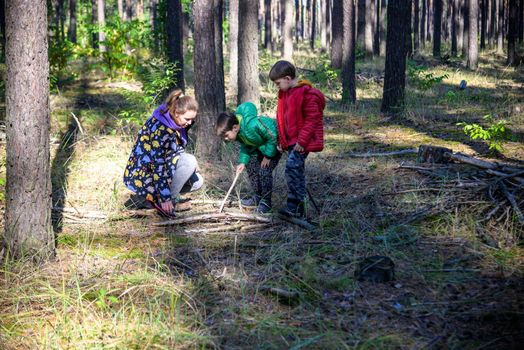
228 192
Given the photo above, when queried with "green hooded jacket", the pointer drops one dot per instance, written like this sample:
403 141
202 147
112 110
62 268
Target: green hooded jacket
256 132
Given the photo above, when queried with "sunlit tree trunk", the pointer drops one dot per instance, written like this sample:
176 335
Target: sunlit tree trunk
175 40
101 16
233 43
28 231
348 58
500 26
382 26
338 34
323 27
368 29
120 6
206 82
287 30
473 50
492 23
395 68
248 81
139 9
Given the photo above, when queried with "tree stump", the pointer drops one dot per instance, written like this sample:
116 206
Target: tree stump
433 154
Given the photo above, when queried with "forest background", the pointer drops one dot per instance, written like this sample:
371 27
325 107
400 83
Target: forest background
80 270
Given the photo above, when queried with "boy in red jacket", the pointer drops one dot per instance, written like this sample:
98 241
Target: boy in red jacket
300 110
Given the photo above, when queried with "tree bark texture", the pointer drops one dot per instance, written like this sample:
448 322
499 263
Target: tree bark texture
248 81
348 58
423 23
473 49
376 29
465 33
233 43
71 30
512 31
368 31
437 27
483 22
382 27
492 23
360 29
175 40
337 34
28 229
460 25
454 26
267 22
219 54
323 25
120 6
395 67
206 81
500 26
313 24
101 19
416 26
287 30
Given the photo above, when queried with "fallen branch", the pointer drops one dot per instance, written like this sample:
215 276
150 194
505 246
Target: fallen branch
228 192
298 222
385 154
513 202
191 219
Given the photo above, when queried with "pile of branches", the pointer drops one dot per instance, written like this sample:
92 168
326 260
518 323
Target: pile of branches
500 185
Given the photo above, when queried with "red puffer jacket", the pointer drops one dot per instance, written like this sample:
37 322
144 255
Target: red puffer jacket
299 117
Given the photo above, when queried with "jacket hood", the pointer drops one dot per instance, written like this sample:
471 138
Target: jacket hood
162 115
303 82
246 112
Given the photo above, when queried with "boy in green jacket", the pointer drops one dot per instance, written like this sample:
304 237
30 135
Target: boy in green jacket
258 150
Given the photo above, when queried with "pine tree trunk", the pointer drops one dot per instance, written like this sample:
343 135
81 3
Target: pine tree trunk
206 82
460 26
140 9
71 30
287 30
120 6
338 34
500 26
512 31
233 43
128 10
423 23
454 27
473 50
483 23
395 68
94 22
376 29
382 26
274 26
465 33
429 30
348 59
416 26
323 28
302 21
360 30
313 24
28 231
175 40
101 17
219 54
248 81
408 34
368 31
492 23
437 27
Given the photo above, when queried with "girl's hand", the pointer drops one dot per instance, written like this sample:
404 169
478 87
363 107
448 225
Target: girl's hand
240 168
265 163
167 206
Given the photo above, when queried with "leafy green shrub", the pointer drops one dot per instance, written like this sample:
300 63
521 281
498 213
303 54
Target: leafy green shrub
60 53
495 134
423 79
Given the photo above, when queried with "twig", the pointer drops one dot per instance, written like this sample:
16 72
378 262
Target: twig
80 128
228 192
298 222
385 154
514 204
191 219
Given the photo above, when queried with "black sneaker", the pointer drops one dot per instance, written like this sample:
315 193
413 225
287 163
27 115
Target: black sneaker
250 201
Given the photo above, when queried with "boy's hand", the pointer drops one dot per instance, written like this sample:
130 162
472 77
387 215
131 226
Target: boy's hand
240 168
167 206
279 148
298 148
265 163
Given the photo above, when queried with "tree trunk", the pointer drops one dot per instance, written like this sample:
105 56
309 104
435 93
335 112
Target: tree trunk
140 9
329 35
206 82
429 30
220 94
274 26
28 231
465 35
512 31
408 38
302 21
437 27
248 81
360 30
94 23
473 50
233 43
287 30
376 29
423 23
297 20
492 22
175 40
368 31
267 22
416 26
323 28
454 26
500 26
128 10
313 24
120 6
337 31
71 31
395 67
382 26
101 17
348 60
483 23
2 30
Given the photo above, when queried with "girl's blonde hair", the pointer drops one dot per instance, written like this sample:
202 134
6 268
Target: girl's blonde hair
177 102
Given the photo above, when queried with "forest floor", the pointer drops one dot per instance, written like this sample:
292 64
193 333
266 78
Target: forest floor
119 282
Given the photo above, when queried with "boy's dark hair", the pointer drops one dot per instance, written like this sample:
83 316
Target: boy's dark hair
225 122
282 69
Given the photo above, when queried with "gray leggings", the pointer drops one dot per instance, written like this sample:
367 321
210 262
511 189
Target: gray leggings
185 178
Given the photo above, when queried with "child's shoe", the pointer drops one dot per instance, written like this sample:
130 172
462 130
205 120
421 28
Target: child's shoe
263 207
292 210
250 201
